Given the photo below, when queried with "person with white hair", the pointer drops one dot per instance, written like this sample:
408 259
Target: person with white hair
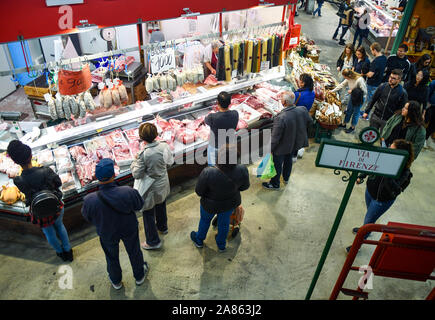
211 60
289 134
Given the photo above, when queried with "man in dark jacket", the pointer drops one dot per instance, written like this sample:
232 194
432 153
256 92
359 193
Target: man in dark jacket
219 188
289 134
346 19
388 98
220 122
398 61
112 211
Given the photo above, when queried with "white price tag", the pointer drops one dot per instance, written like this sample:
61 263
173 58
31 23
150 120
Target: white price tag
161 62
293 41
264 65
234 74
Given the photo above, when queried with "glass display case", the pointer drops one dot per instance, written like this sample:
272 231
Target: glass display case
383 21
73 148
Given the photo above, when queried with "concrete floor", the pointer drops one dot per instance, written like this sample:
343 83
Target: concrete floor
274 256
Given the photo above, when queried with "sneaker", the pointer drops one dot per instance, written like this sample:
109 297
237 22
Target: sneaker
61 255
296 14
334 39
117 286
193 238
355 230
141 281
285 182
68 255
342 125
348 249
349 130
341 43
268 185
220 250
146 246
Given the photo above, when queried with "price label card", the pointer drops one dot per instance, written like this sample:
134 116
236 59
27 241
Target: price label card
162 61
264 65
74 82
234 74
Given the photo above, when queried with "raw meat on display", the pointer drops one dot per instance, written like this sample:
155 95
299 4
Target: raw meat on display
242 124
63 126
203 132
77 152
211 80
8 166
264 113
162 123
63 164
86 171
267 86
185 136
132 134
195 124
254 103
134 147
61 152
115 138
239 98
67 179
45 157
104 153
122 154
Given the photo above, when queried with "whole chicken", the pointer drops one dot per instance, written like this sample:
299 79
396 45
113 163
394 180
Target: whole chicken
11 194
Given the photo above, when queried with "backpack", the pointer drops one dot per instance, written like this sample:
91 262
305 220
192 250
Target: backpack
45 204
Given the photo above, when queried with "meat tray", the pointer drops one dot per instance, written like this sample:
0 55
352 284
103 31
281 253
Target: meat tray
247 113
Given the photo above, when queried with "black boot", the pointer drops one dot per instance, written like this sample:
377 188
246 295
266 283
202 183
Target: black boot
61 255
68 255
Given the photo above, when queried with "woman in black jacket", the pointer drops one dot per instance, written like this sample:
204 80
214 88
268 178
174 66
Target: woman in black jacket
361 64
418 89
219 188
381 192
33 180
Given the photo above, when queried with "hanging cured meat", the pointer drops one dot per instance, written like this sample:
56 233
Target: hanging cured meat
264 48
89 101
149 84
66 108
236 51
269 51
254 57
241 63
59 109
52 108
74 107
227 64
272 50
107 98
122 93
115 97
259 54
220 73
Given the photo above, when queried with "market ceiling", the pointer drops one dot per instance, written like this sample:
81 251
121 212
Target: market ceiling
34 19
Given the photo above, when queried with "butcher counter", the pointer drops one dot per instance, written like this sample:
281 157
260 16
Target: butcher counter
190 108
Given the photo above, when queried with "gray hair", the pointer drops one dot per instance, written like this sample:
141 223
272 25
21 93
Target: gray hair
288 97
216 44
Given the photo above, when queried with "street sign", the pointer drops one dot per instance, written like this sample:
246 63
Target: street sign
355 158
359 157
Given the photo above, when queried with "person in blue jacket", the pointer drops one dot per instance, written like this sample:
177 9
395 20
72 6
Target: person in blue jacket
304 96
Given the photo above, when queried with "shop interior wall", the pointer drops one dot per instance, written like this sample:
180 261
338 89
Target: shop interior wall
425 9
7 86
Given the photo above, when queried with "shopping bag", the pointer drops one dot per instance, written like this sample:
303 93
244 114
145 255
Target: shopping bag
266 169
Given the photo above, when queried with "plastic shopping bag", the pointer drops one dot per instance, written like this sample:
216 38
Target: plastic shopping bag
266 169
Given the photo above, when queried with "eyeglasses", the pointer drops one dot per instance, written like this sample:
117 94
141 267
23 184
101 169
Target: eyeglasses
394 78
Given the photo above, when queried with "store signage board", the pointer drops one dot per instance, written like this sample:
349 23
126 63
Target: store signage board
362 158
162 61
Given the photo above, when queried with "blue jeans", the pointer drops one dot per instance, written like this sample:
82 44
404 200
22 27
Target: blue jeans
370 92
283 164
211 155
359 34
132 246
352 111
223 225
375 209
59 229
318 10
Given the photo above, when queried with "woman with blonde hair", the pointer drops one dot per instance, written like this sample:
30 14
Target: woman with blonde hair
352 80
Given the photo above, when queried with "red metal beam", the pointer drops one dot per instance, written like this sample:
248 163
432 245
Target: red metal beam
33 19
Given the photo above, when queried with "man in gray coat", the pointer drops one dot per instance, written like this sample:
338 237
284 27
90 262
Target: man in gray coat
289 134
